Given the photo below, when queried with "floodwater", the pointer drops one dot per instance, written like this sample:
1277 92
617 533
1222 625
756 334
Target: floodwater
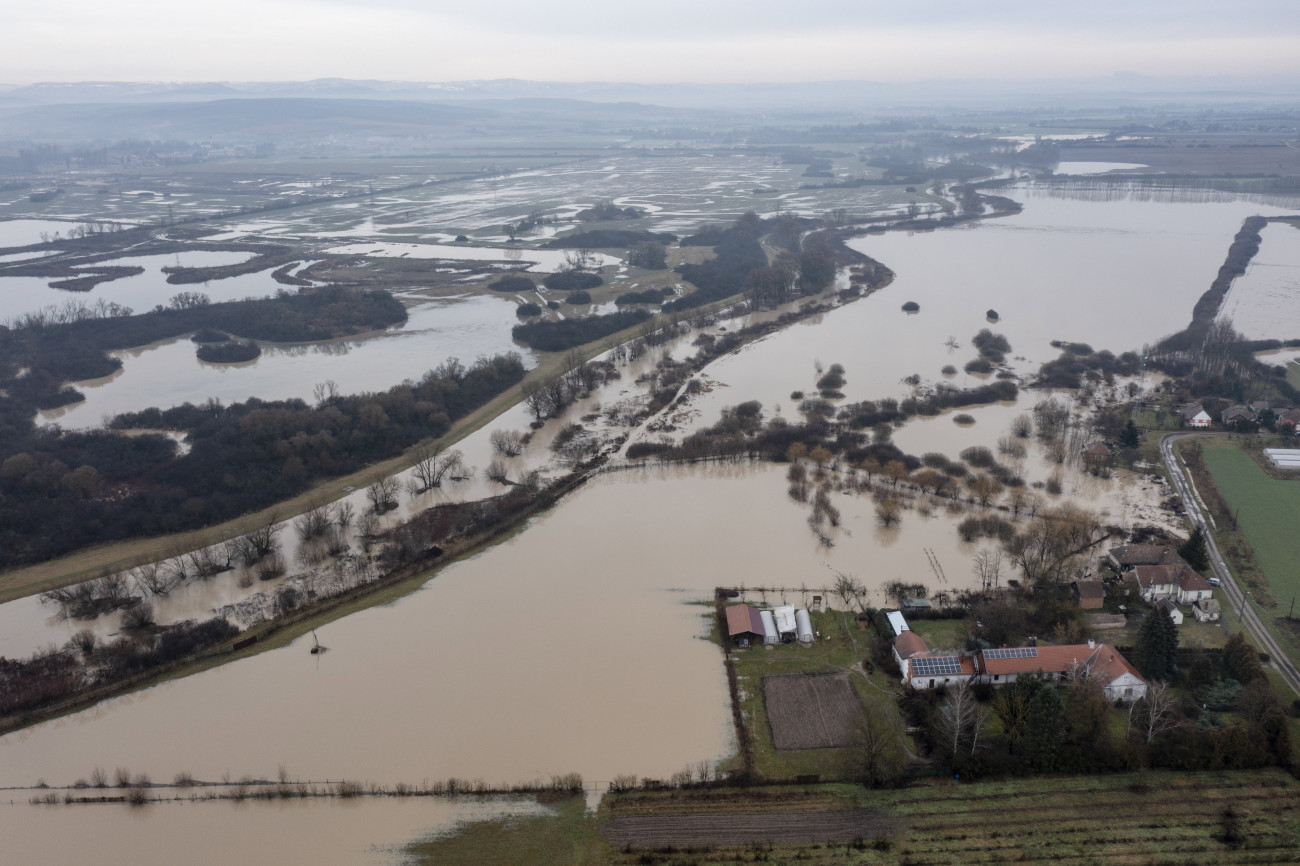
1115 273
169 373
1087 168
22 233
328 832
569 647
544 261
1264 302
141 292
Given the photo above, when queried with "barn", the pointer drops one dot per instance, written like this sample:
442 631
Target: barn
744 625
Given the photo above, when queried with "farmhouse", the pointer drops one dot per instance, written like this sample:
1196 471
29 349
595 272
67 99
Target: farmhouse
1237 414
1119 679
1192 587
925 670
1131 555
1194 415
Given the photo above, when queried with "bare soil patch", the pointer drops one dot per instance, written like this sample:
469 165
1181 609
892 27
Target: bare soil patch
798 828
811 711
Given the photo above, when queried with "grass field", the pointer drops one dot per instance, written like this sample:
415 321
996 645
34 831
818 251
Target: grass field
1268 512
1134 818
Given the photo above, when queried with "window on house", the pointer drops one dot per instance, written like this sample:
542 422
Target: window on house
1128 693
931 683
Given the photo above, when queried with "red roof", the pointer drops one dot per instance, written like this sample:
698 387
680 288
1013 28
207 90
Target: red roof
1090 588
909 643
1158 575
1104 661
743 619
1190 581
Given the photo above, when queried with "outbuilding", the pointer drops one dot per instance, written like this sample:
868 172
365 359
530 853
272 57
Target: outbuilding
804 628
769 627
785 623
744 624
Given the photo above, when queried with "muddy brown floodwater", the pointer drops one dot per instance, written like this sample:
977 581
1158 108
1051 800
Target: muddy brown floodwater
357 832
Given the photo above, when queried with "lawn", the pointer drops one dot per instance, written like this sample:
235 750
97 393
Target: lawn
1268 513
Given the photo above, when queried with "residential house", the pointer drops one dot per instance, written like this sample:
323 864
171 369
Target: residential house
1192 587
1287 419
925 670
1154 582
1194 415
1119 679
1131 555
1259 407
1237 414
1089 594
1169 609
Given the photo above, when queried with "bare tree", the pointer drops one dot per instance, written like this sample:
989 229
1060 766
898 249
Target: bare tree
988 568
343 513
312 524
508 443
878 751
959 720
1153 713
382 494
847 587
496 471
325 393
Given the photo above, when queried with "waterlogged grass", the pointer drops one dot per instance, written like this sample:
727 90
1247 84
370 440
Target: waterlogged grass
568 836
1267 511
1147 818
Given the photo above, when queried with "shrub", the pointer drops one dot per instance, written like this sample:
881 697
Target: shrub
578 298
992 314
528 310
963 419
979 365
911 307
228 353
572 281
512 283
949 370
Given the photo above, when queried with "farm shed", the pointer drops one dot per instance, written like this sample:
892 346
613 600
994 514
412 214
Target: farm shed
785 623
804 626
897 623
744 623
769 627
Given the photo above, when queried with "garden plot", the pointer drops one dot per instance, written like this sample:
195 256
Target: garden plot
811 711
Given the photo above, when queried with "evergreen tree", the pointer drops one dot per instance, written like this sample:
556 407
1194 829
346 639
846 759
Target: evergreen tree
1131 436
1157 641
1194 551
1242 660
1044 728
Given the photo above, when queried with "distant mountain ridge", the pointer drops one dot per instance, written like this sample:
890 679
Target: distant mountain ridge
819 95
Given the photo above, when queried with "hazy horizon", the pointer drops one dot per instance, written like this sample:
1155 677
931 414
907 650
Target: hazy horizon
673 42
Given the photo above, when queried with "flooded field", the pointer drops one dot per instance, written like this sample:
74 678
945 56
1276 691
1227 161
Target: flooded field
142 292
1264 302
169 373
359 832
25 232
1115 273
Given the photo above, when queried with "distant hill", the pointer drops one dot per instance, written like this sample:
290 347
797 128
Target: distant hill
234 119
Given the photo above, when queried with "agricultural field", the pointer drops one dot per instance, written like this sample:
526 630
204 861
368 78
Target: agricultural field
811 711
1267 511
1147 818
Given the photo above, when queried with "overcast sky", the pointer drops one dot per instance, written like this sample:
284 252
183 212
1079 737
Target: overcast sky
655 41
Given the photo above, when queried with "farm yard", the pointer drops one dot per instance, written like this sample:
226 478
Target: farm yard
811 711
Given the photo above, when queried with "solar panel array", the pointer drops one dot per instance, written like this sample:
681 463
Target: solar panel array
1019 652
936 666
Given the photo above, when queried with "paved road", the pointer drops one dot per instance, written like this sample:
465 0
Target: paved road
1249 618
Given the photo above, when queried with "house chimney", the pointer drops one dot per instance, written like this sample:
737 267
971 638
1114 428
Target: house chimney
1092 644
